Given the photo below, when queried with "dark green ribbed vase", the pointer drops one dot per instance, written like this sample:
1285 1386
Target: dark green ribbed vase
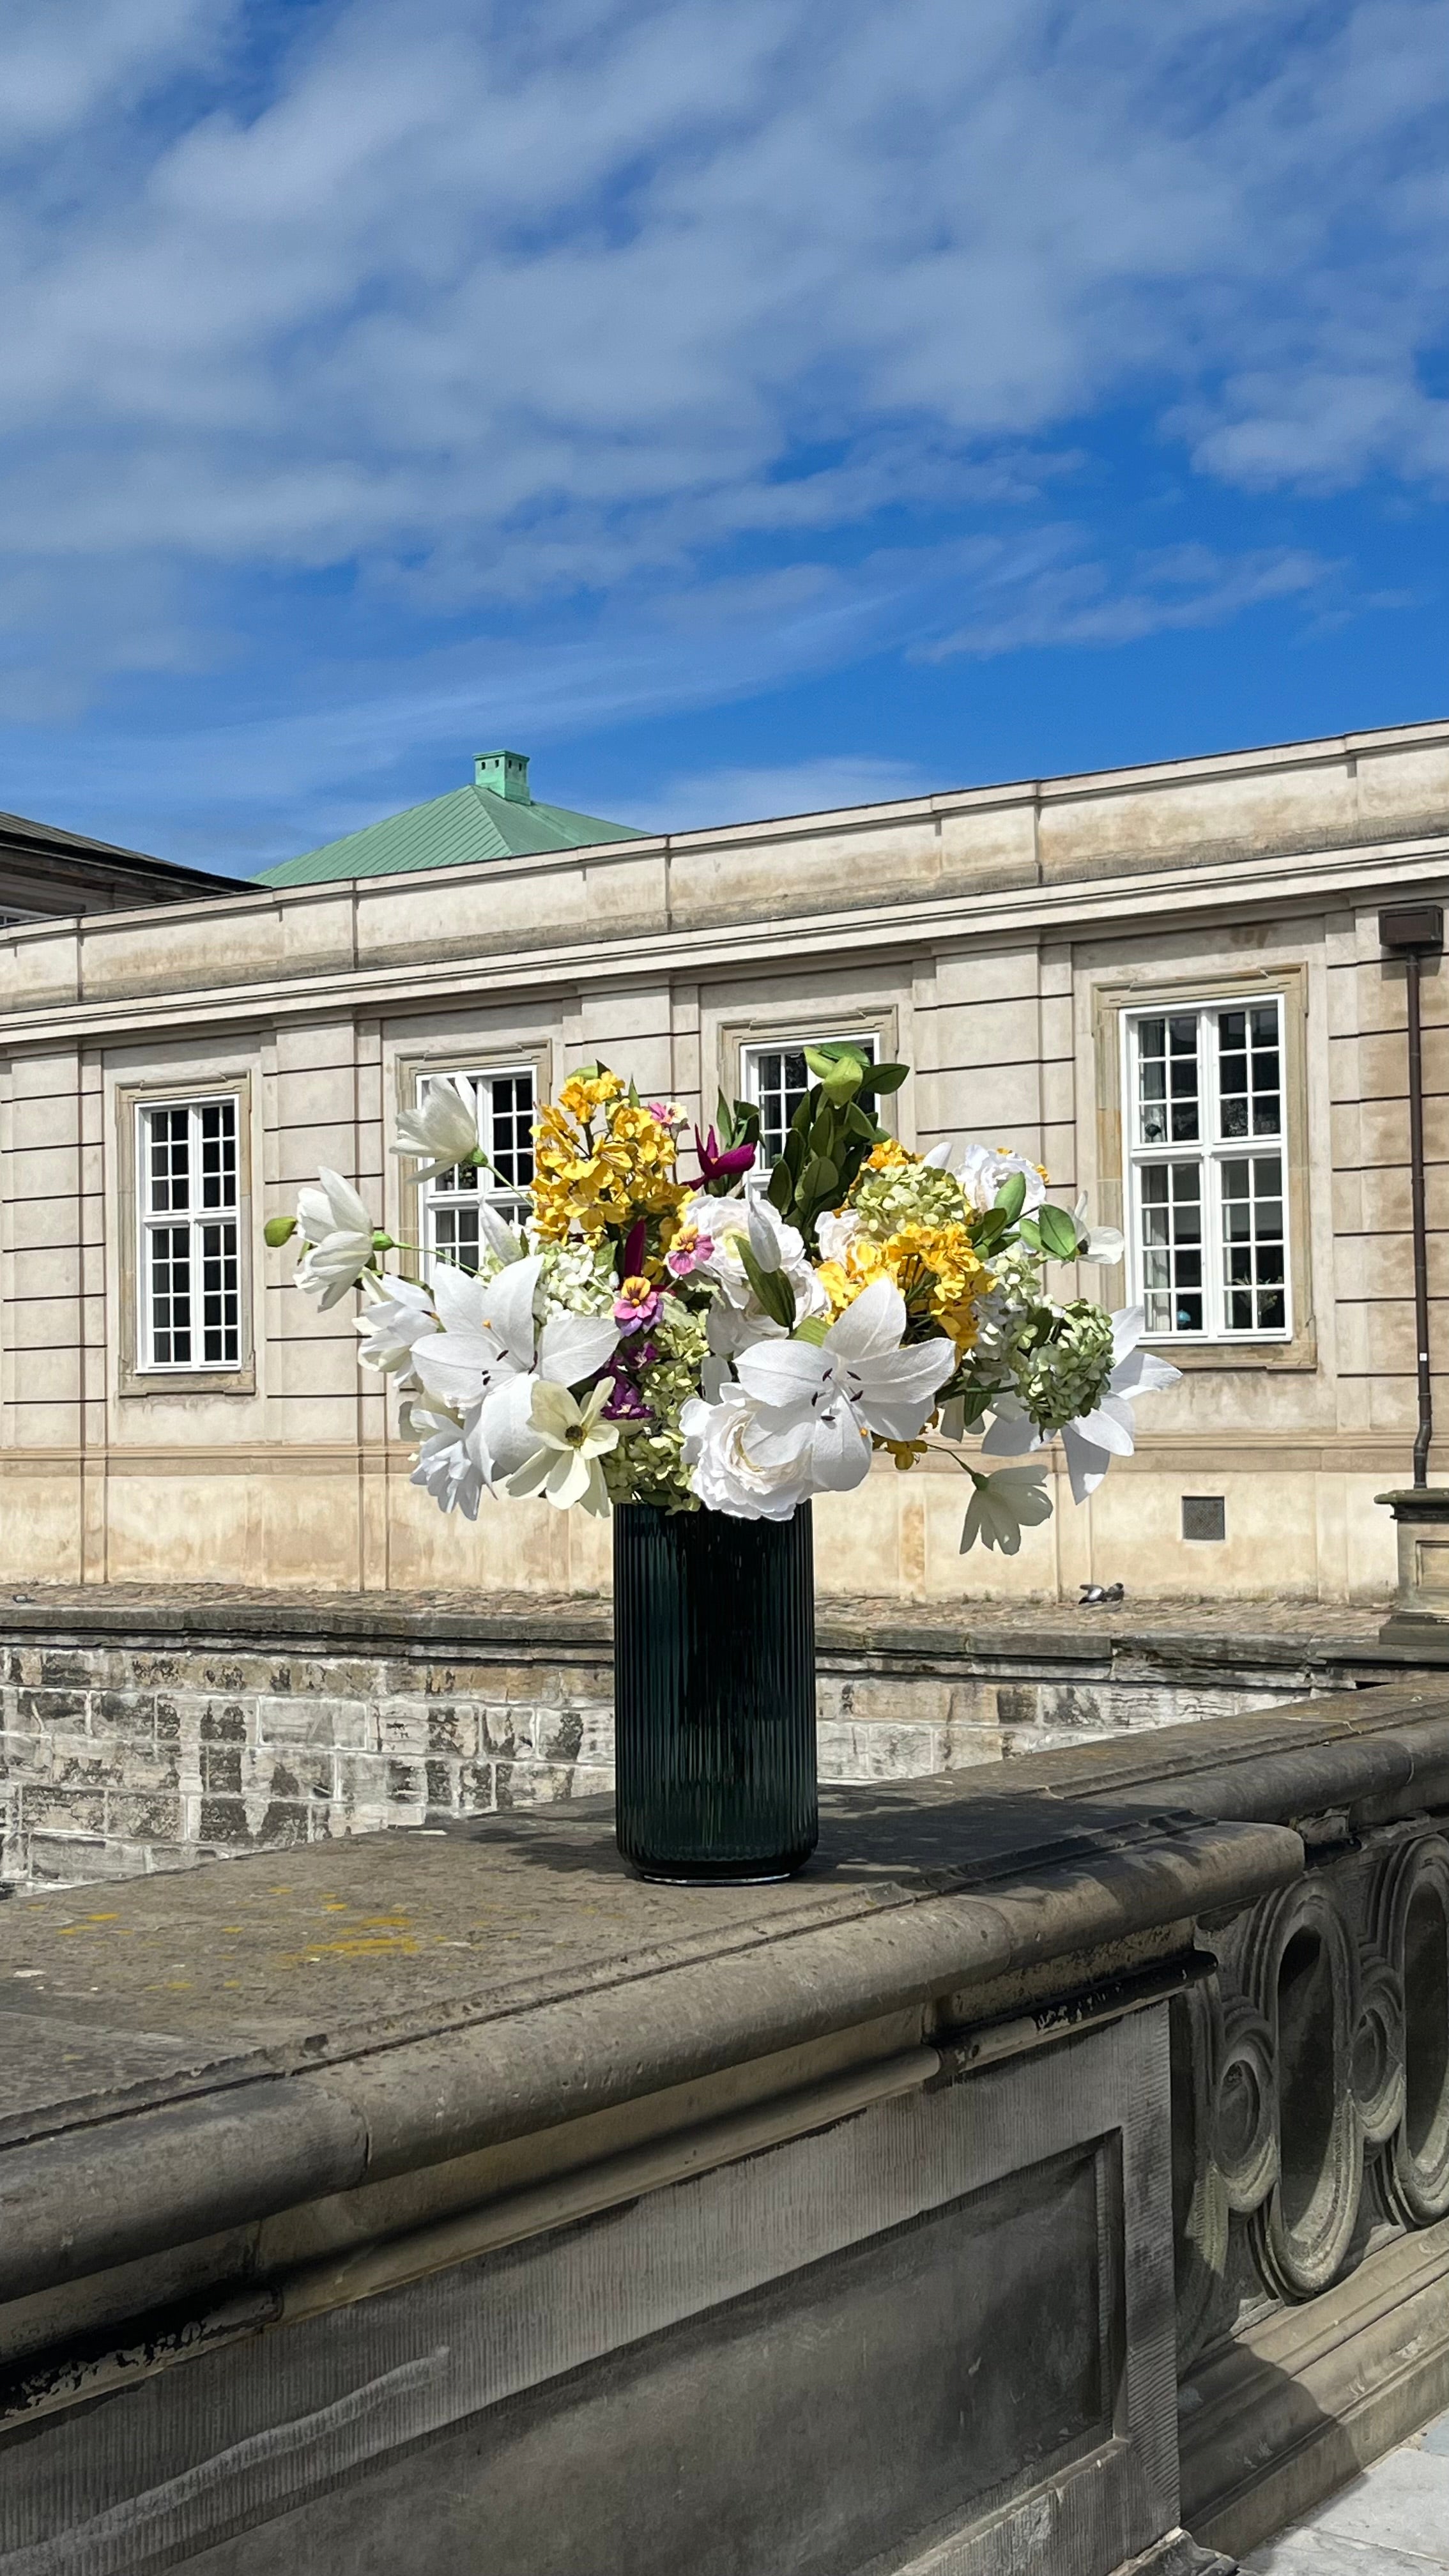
714 1694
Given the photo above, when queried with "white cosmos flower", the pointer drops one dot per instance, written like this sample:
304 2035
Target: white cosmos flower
399 1314
985 1170
568 1439
337 1232
1096 1438
1005 1504
442 1130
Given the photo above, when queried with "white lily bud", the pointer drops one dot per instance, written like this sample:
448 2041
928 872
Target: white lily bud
442 1130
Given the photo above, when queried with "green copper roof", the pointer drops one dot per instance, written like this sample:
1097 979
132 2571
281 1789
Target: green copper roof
451 832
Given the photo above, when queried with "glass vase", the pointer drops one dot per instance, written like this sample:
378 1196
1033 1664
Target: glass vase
714 1694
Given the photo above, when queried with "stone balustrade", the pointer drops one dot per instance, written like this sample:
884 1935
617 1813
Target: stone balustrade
1055 2178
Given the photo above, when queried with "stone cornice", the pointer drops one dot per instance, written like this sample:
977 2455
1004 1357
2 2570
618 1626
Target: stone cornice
1087 908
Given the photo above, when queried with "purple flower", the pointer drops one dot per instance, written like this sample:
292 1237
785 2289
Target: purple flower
722 1164
636 1305
626 1404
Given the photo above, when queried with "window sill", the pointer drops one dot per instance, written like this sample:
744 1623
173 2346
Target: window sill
145 1382
1301 1353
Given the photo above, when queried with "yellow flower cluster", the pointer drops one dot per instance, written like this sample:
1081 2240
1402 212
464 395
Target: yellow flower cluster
600 1160
936 1268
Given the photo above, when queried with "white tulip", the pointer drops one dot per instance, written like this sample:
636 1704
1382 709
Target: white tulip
985 1170
1005 1504
569 1440
1108 1432
338 1235
442 1130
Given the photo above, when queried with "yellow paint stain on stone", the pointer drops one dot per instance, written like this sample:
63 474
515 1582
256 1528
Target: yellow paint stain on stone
395 1945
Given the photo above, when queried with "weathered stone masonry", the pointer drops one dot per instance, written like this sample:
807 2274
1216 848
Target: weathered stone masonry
145 1732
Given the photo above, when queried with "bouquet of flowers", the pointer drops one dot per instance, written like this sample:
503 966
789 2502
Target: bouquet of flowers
721 1344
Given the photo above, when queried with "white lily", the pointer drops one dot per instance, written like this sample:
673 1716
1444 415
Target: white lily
398 1316
569 1440
442 1130
860 1365
338 1235
1005 1504
491 1334
1096 1438
985 1170
1103 1243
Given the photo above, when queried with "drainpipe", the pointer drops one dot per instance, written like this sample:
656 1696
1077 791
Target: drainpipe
1414 931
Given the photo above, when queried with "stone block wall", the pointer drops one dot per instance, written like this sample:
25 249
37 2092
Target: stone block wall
149 1734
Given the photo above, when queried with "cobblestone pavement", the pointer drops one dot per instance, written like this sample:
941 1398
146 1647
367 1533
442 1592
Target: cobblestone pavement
1392 2522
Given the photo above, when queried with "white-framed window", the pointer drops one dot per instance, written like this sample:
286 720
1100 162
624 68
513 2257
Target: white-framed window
776 1078
507 1105
189 1309
1207 1144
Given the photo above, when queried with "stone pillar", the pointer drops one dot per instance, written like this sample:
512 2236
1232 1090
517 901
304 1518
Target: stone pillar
1421 1513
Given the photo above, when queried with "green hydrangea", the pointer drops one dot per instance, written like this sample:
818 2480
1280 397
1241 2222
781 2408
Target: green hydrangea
648 1464
908 1194
1065 1374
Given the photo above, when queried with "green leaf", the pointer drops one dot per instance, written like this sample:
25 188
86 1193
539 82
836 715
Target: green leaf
883 1077
821 1061
1029 1233
1058 1233
1011 1197
781 1190
822 1134
771 1287
813 1329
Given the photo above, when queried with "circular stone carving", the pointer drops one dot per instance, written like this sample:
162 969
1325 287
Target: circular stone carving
1378 2052
1301 1970
1199 2201
1413 1923
1245 2129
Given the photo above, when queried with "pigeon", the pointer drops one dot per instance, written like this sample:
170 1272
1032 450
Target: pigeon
1095 1593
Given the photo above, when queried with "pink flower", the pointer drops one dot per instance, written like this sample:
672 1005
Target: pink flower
688 1250
636 1305
668 1113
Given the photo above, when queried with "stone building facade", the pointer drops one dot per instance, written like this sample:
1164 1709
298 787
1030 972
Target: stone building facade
1165 983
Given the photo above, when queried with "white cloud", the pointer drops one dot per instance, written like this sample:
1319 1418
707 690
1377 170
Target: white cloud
437 312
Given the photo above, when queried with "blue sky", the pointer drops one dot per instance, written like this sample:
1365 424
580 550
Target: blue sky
738 405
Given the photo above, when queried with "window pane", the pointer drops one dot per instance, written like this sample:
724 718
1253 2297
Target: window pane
509 1130
1254 1252
168 1290
167 1179
217 1122
1250 1080
455 1235
1167 1083
1171 1247
220 1294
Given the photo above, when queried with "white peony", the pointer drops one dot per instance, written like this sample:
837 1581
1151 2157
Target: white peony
775 1245
338 1234
739 1464
449 1467
1093 1441
985 1170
